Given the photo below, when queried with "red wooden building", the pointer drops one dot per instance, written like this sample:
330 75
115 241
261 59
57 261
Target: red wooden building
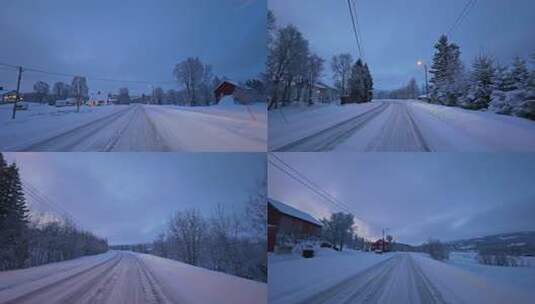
225 88
284 220
380 245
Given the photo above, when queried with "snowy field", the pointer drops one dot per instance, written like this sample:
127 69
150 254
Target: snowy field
135 128
125 277
396 125
363 277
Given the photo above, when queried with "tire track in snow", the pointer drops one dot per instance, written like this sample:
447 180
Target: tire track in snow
399 133
361 285
396 280
153 293
329 138
68 140
64 288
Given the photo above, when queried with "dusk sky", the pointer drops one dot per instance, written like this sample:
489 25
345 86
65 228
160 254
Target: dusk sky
396 34
130 40
129 197
446 196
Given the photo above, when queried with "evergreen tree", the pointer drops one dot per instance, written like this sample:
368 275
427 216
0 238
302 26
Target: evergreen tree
483 78
13 218
504 80
368 83
358 85
448 73
520 73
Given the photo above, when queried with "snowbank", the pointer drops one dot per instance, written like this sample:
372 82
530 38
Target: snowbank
194 285
456 129
211 128
460 283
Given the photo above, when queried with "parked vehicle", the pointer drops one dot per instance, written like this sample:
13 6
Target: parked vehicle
22 106
66 102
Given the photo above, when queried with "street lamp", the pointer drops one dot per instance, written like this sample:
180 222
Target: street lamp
420 63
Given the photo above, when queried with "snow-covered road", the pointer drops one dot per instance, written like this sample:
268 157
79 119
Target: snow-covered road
390 278
397 125
396 280
124 277
134 128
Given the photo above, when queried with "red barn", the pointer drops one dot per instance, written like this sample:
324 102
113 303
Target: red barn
380 245
225 88
284 220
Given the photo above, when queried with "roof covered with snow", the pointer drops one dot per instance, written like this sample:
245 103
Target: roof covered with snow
291 211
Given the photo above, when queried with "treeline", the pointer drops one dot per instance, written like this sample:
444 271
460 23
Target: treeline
293 70
26 244
408 91
229 242
195 80
505 89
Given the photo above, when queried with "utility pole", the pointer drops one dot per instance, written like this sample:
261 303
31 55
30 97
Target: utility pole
17 93
383 243
426 82
420 62
78 97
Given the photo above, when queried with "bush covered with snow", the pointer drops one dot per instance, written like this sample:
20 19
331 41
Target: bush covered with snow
517 102
437 250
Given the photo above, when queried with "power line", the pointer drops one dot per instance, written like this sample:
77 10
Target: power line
303 180
60 74
355 31
331 197
468 6
358 29
41 198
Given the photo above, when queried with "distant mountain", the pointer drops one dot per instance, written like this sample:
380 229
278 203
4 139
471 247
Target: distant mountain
516 243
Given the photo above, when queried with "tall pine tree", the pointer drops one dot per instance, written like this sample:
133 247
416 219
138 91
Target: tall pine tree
360 83
482 82
13 218
447 82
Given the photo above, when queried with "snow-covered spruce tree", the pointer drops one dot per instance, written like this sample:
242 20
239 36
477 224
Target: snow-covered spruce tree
358 86
368 82
13 218
448 82
513 94
519 73
482 83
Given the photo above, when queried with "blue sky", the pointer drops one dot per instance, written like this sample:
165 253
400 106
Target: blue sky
396 33
443 195
128 197
130 40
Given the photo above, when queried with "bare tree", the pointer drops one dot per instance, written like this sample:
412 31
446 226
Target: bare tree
188 228
79 89
194 76
124 96
338 228
41 90
61 90
314 67
341 67
286 61
158 95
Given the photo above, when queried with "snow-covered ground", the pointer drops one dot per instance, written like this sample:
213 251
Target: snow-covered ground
126 277
397 125
362 277
135 128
